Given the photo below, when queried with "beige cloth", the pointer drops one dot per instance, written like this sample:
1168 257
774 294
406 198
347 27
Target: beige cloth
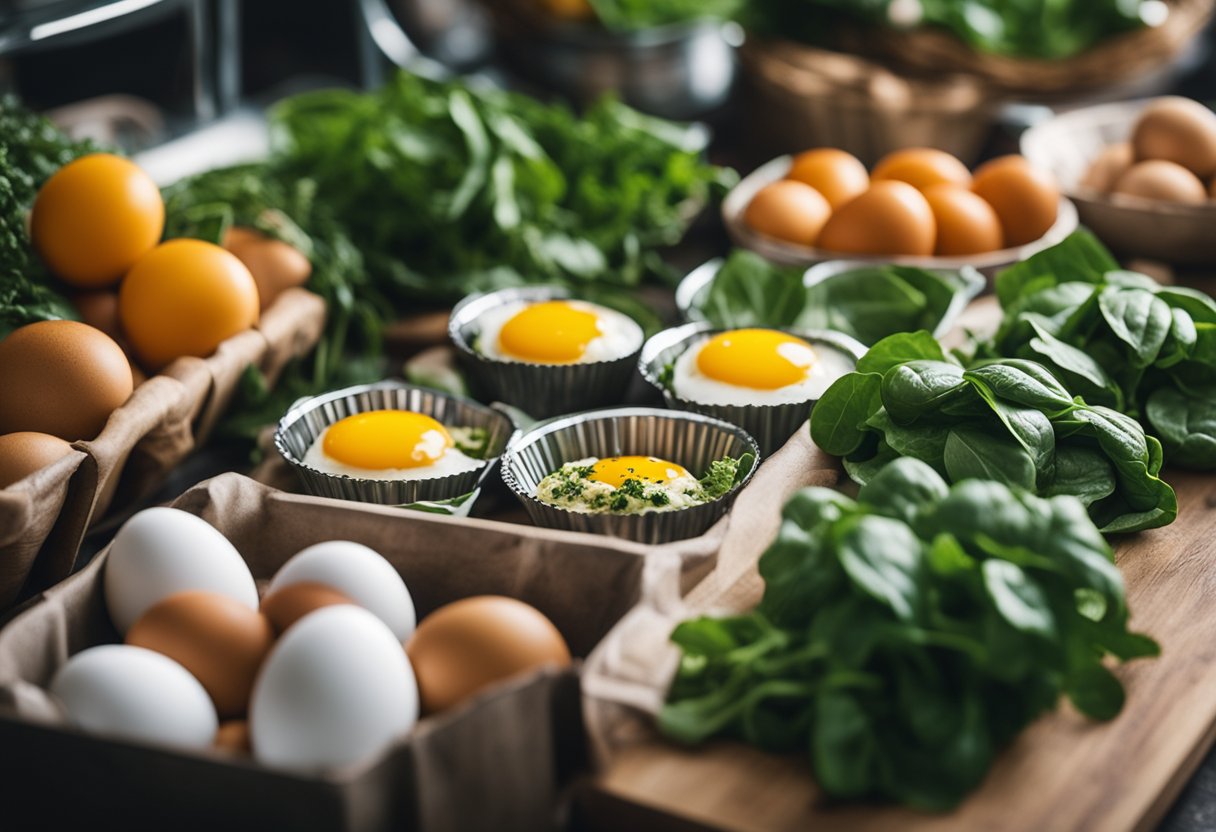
44 518
625 680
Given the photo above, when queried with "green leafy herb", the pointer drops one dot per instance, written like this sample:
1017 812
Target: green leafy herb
1118 339
906 637
724 474
868 303
1008 420
631 15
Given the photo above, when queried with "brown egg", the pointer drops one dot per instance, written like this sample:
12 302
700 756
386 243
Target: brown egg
233 735
25 452
837 175
922 167
890 218
1212 189
219 640
1024 197
1177 130
274 264
291 603
966 224
788 210
99 309
468 645
64 378
1107 168
1161 180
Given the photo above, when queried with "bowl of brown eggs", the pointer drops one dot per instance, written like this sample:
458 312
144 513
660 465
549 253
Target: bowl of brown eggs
1141 173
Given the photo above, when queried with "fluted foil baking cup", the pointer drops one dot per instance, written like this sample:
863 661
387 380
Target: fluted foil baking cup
541 390
688 439
771 425
307 418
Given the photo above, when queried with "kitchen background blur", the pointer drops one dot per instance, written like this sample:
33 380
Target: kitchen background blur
856 75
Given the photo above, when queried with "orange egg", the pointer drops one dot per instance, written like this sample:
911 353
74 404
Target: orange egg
463 648
966 224
788 210
889 218
288 605
1025 198
64 378
25 452
94 218
100 310
220 641
184 298
837 175
922 167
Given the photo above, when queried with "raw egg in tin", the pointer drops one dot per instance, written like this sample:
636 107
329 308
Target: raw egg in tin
388 445
557 332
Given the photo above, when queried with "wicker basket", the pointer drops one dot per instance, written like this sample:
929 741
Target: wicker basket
1120 59
804 97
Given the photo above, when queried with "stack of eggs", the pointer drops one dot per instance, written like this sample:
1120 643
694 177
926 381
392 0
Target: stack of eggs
916 202
205 664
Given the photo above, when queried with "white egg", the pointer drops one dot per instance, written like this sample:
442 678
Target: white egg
823 365
452 461
619 335
161 551
132 693
336 690
359 573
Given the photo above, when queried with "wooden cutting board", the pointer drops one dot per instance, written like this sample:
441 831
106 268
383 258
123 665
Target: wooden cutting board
1063 773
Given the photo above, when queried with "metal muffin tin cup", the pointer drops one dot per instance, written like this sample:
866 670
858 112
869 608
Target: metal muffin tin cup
689 439
541 390
307 418
771 425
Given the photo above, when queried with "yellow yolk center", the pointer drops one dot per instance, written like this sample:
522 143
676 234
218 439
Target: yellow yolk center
552 331
615 470
383 439
762 359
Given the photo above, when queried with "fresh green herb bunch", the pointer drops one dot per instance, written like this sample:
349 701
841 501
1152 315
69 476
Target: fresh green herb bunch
1047 29
868 303
1119 339
904 638
31 149
1008 420
450 189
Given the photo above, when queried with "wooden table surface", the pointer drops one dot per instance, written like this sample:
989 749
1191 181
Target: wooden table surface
1063 773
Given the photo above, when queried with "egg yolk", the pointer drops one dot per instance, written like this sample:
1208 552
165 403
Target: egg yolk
615 470
762 359
383 439
552 331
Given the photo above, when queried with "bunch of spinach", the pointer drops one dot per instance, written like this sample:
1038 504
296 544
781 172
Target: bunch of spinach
632 15
31 149
868 302
1046 29
1007 419
449 188
904 638
1119 339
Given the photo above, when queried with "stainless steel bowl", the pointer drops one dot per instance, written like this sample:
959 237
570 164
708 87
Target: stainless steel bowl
679 71
307 418
689 439
771 425
540 390
694 289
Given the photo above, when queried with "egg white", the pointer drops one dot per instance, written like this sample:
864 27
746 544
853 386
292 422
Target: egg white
620 335
689 383
682 492
453 461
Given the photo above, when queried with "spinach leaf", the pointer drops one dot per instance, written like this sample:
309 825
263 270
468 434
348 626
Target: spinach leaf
975 454
841 412
1186 424
905 637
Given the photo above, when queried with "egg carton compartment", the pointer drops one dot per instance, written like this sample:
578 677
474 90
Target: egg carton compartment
498 761
44 517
